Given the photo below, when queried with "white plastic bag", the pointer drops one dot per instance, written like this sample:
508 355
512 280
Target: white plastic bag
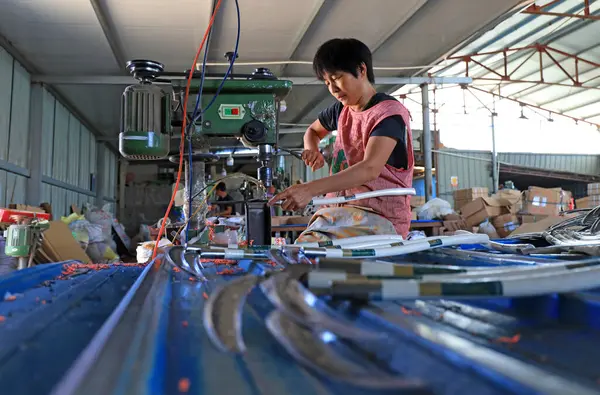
434 209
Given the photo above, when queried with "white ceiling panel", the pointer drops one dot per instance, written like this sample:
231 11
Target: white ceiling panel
437 28
371 22
269 29
166 31
57 36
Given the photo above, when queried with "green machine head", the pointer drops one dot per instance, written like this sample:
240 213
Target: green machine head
145 115
246 107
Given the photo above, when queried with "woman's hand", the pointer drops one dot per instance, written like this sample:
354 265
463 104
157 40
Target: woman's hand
294 198
313 159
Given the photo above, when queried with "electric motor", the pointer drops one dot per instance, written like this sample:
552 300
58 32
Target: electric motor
145 115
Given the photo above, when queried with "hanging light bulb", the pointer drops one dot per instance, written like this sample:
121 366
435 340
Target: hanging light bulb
522 115
229 161
550 117
223 172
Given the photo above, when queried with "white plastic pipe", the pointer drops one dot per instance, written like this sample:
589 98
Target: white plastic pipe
412 246
365 195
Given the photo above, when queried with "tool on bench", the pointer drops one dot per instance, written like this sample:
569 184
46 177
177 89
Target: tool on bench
23 238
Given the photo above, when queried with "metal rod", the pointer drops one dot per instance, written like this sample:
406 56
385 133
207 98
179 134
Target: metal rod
127 80
494 157
427 142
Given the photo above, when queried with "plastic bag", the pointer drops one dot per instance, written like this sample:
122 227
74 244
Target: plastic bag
144 250
103 218
488 229
434 209
101 253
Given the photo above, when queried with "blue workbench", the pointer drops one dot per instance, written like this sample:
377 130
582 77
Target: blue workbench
460 351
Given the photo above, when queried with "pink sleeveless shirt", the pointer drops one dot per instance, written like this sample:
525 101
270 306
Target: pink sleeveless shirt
354 129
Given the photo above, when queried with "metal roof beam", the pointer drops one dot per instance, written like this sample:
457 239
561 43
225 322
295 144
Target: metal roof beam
320 97
549 39
540 10
537 107
127 80
110 33
302 32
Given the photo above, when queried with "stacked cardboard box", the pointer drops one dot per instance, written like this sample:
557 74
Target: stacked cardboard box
464 196
482 209
543 201
592 199
500 210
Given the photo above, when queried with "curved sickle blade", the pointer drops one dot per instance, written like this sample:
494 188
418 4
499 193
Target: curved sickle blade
316 353
223 313
289 296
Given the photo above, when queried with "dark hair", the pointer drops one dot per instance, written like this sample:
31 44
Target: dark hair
343 54
221 187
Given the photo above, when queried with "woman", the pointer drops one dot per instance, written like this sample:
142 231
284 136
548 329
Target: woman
372 150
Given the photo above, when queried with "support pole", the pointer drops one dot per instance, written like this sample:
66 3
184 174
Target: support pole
36 123
495 174
100 173
427 142
123 168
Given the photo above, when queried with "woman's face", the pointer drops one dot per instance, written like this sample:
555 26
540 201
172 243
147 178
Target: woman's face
345 87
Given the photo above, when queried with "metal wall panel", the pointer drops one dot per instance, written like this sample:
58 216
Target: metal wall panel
3 188
582 164
84 171
472 169
73 157
46 193
48 104
60 143
19 117
15 189
59 202
93 161
110 174
6 72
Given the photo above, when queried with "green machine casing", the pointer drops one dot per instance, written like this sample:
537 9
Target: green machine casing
242 108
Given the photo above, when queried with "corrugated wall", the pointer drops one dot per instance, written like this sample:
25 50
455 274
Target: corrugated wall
473 168
581 164
68 149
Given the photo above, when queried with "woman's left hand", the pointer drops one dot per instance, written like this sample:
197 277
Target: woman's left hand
294 198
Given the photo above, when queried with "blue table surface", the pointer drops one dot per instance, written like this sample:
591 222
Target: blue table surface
39 341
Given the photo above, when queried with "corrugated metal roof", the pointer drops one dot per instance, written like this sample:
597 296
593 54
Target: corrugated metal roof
573 36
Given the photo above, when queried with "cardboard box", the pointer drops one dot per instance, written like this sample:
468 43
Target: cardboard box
530 219
481 209
542 201
463 196
417 201
460 203
413 215
514 196
541 225
505 224
588 202
593 189
471 193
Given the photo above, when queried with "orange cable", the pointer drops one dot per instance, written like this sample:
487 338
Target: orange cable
183 127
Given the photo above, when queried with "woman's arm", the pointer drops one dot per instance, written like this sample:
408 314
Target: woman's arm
377 153
311 155
379 149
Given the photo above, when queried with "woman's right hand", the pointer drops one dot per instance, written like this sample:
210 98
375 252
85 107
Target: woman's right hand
313 159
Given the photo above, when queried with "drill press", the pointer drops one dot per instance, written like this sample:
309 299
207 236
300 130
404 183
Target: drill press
246 109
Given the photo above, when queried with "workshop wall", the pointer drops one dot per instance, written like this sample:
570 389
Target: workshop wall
473 168
68 152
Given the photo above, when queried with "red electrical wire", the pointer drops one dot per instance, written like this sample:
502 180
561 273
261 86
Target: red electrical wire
183 127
